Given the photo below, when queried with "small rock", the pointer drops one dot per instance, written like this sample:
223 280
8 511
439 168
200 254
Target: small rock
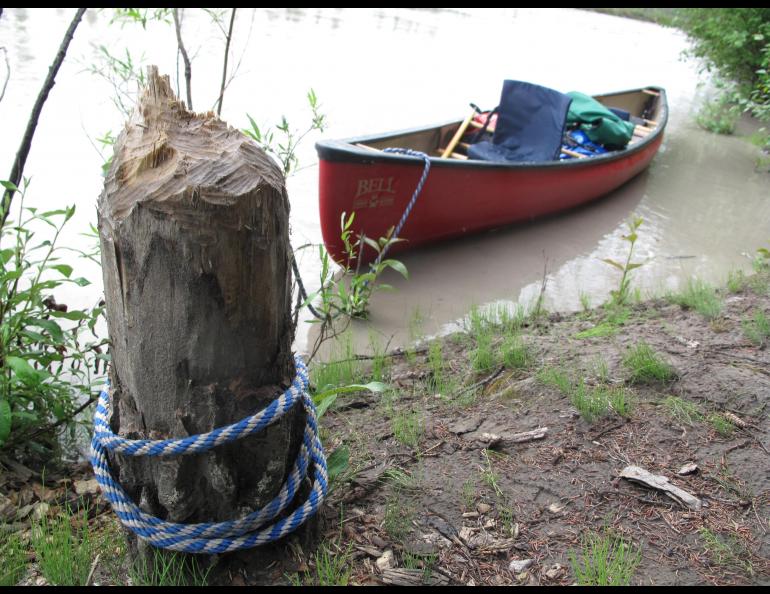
483 508
691 468
554 572
89 487
555 508
466 532
519 565
471 515
378 542
386 561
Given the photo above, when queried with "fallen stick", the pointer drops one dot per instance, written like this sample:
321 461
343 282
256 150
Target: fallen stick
660 483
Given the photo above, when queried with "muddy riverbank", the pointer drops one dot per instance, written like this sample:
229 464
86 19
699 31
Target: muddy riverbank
496 455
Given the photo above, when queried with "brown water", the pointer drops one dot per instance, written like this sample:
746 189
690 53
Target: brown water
704 206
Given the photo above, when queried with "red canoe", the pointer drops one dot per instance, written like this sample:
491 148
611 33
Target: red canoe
461 195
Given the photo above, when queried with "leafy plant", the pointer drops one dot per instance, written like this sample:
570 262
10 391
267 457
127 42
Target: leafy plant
45 365
285 150
350 296
620 295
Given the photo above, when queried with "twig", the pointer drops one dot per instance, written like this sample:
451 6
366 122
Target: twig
26 143
93 569
66 419
8 72
185 58
482 383
224 67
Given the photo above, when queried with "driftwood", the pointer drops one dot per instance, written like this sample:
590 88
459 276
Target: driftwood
492 440
660 483
414 577
193 223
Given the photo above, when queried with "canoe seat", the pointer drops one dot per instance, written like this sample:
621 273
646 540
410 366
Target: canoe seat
530 125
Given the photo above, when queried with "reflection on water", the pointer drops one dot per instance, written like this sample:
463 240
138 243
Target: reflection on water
380 69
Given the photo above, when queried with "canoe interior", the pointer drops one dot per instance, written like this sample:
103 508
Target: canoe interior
641 103
464 196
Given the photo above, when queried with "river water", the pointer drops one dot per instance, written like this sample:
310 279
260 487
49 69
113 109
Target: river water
705 207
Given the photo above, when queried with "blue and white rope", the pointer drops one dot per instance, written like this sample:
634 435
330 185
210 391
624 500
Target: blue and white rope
415 194
221 537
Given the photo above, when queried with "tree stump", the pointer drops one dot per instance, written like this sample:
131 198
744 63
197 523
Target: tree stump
193 224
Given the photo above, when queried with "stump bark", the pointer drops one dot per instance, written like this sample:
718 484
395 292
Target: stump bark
193 225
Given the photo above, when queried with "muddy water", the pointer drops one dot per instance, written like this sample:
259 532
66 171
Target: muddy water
704 206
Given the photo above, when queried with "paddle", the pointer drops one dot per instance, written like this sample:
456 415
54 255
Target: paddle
458 135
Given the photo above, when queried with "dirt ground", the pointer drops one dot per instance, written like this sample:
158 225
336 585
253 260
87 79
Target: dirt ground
494 477
463 500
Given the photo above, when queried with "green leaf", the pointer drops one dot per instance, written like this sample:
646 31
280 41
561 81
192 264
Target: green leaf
6 421
632 265
612 262
338 462
81 282
74 315
65 269
9 186
397 266
53 328
325 399
23 370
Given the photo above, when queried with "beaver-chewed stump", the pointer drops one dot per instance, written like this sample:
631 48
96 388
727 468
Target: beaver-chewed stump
193 223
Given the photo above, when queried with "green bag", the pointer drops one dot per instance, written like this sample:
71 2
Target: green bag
599 123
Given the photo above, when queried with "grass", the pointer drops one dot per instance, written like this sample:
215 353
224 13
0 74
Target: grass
163 568
400 479
331 566
343 369
757 329
397 521
515 353
380 362
63 547
469 494
440 382
407 428
736 281
426 563
721 425
550 376
700 296
605 560
13 559
727 553
591 403
646 366
682 411
490 477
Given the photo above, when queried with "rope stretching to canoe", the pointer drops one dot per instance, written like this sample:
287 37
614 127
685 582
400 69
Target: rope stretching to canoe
220 537
396 230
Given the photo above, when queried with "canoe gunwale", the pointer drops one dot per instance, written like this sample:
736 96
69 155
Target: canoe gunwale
345 150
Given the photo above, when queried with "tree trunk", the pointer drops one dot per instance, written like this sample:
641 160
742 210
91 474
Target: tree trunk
193 223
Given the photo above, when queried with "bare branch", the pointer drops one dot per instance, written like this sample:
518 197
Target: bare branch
185 57
224 67
7 72
17 170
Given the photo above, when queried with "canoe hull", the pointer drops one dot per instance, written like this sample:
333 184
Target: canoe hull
459 197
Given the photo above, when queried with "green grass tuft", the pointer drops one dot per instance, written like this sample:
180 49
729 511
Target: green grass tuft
646 366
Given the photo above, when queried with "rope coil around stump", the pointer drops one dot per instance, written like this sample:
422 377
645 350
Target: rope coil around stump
220 537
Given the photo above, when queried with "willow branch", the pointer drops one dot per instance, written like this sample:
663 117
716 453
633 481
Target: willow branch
7 72
224 67
185 57
17 171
